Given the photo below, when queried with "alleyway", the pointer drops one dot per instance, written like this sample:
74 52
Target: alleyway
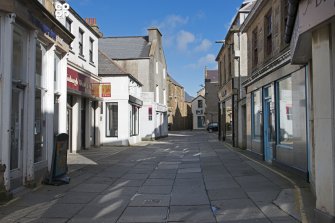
187 177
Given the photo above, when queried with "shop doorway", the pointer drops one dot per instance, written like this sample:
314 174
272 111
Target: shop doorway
83 124
69 127
16 136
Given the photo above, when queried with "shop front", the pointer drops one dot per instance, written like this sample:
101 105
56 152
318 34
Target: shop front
83 110
228 113
276 108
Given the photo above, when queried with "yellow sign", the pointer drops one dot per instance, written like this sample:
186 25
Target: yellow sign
106 90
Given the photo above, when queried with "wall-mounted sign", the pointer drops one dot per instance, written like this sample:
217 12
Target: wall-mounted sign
106 90
61 9
80 83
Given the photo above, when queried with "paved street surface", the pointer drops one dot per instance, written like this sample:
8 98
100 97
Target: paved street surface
187 177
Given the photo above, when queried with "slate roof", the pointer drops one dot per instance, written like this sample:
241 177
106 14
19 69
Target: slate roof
107 66
174 81
212 75
188 98
125 47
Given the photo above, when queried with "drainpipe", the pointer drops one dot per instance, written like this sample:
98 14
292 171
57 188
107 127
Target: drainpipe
291 16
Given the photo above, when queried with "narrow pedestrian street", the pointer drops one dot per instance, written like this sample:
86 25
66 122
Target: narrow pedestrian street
187 177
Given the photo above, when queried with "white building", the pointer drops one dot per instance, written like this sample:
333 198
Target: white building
120 116
33 54
80 116
143 57
198 111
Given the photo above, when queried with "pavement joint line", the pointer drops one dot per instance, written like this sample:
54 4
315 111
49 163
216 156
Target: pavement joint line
297 191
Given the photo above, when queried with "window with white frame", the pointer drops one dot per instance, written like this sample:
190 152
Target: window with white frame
164 96
284 111
134 121
200 104
81 42
68 23
256 107
156 67
91 50
111 119
157 93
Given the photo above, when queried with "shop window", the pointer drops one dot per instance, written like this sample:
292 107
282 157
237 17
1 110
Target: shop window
229 120
284 111
134 121
256 105
18 56
39 124
111 119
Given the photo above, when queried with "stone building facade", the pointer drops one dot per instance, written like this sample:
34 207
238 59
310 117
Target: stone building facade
276 103
180 112
211 96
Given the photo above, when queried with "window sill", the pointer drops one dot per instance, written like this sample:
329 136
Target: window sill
283 146
82 57
71 51
92 64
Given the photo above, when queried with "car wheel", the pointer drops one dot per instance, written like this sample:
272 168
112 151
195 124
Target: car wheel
211 130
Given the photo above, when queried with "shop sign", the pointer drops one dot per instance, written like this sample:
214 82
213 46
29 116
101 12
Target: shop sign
61 9
314 12
43 27
106 90
81 83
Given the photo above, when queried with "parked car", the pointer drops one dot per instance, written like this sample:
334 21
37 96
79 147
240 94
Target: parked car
213 127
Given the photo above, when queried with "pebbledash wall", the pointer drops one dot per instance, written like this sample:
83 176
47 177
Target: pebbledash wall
81 109
33 51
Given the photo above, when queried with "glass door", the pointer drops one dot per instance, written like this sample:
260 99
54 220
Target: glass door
268 153
16 132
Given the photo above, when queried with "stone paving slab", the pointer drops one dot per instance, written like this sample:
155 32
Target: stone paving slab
196 214
150 200
191 177
144 214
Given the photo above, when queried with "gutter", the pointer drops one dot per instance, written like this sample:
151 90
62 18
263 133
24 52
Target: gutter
292 13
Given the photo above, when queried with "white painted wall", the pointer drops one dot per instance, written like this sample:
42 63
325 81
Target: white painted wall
195 108
74 57
121 87
323 100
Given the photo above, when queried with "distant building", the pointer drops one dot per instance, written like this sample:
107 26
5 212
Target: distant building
180 114
143 58
120 119
198 111
232 62
211 96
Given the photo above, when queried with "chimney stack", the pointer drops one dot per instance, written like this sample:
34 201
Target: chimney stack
93 23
